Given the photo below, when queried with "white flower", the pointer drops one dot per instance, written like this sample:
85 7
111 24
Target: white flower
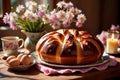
28 17
53 11
33 17
27 13
13 16
20 8
81 18
42 7
61 4
69 15
65 14
61 15
28 3
68 5
31 5
67 23
56 25
75 11
46 19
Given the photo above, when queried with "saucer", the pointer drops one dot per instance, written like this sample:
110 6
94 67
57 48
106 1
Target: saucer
115 53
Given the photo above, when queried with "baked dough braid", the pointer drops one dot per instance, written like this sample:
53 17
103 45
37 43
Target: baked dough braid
69 46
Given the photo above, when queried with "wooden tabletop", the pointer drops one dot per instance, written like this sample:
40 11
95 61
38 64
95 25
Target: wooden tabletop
33 74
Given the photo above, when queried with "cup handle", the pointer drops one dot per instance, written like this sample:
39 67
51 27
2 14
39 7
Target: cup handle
22 44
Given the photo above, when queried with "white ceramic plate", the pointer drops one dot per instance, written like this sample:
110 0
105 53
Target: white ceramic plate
104 59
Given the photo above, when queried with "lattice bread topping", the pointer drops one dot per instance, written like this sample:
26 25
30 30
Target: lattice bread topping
69 46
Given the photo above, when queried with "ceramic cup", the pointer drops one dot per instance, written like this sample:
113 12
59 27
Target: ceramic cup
11 44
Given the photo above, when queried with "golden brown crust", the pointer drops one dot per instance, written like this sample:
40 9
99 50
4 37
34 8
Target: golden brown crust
64 45
31 58
9 58
14 62
19 56
21 59
25 60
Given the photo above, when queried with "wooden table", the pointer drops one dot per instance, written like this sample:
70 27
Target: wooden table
33 74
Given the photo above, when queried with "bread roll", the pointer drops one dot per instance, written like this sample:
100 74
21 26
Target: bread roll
69 46
25 60
31 58
21 59
19 56
14 62
9 58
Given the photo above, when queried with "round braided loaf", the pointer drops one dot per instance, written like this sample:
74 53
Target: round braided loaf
69 46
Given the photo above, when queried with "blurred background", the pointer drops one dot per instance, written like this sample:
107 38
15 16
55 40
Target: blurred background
101 14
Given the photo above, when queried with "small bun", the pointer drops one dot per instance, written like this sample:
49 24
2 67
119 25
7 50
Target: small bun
14 62
31 58
21 59
25 60
9 58
19 56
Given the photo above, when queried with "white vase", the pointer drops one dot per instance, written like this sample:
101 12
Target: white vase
32 39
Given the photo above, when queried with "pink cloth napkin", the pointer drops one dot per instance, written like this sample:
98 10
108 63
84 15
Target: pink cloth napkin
47 70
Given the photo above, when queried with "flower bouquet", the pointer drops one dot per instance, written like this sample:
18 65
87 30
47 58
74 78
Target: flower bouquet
64 15
28 17
34 18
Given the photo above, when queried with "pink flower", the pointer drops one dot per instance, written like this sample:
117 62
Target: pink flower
67 23
23 17
28 17
53 17
61 15
114 28
41 13
103 37
6 18
81 18
65 14
56 25
75 11
13 25
78 24
119 42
